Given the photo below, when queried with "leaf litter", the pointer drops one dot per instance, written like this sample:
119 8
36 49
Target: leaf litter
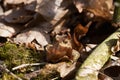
59 33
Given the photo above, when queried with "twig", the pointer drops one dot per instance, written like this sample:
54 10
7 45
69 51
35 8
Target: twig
25 65
9 72
55 78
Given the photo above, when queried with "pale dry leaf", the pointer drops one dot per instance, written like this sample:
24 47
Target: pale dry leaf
14 1
1 10
51 11
43 38
18 15
65 69
89 47
58 28
32 34
76 55
17 1
8 30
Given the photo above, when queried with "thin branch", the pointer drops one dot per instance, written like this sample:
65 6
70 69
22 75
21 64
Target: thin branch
25 65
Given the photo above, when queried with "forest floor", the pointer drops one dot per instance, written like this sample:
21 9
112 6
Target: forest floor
51 39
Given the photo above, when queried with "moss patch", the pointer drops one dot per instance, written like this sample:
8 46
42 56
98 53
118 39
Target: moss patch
13 55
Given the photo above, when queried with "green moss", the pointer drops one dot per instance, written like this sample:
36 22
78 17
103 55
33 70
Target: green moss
14 55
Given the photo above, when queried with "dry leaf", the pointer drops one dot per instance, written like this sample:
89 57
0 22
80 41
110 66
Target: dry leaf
13 2
79 32
65 69
6 31
29 35
1 10
97 7
89 47
18 15
58 28
9 30
51 11
116 48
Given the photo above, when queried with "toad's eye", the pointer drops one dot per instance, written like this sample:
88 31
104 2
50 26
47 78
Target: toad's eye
65 41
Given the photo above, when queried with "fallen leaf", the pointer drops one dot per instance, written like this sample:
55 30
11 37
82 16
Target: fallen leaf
18 15
6 31
1 10
58 28
14 1
65 69
116 48
9 30
97 7
29 35
79 32
51 11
